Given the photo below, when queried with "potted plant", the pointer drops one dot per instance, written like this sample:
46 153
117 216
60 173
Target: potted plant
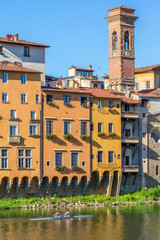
60 168
101 134
111 134
68 136
51 136
85 137
75 168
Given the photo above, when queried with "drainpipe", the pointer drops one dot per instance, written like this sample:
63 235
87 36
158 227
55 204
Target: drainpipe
41 137
90 138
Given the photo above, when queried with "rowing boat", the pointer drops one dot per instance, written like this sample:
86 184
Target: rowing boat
59 218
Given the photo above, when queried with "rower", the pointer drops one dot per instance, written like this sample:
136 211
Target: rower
57 214
66 214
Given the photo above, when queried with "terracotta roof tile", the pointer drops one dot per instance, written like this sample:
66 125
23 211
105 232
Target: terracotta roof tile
129 100
147 68
101 93
23 42
71 90
17 69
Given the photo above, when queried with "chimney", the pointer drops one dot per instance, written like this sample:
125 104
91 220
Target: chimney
8 37
90 67
15 37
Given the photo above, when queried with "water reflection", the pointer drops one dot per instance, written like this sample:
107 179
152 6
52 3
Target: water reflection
112 223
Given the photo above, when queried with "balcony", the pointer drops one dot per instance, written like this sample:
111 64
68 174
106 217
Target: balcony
130 169
130 114
132 140
14 139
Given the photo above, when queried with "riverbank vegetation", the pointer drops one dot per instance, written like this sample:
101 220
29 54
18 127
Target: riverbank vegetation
143 196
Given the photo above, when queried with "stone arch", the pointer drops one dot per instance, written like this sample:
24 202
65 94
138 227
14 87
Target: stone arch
63 187
33 186
126 40
103 188
114 40
14 188
93 184
155 134
72 186
53 187
4 186
23 187
115 183
82 186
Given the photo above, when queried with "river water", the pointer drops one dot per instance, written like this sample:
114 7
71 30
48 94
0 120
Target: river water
111 223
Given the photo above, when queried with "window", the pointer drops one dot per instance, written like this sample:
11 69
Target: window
13 113
4 77
100 127
157 170
49 98
4 158
83 163
74 159
4 97
48 163
33 115
83 128
144 135
33 129
1 49
110 127
66 127
126 108
100 157
83 101
110 104
91 127
49 127
24 158
136 86
66 99
144 114
100 104
126 40
13 130
102 86
58 160
23 78
95 85
26 51
147 84
23 98
110 156
114 41
117 105
127 132
37 98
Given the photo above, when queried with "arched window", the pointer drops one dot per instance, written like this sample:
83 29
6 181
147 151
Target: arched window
126 40
157 170
114 41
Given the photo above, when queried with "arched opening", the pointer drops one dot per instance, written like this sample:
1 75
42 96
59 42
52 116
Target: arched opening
33 187
3 187
94 183
53 186
82 186
43 187
63 188
114 184
73 186
103 188
114 41
126 40
155 134
23 188
14 188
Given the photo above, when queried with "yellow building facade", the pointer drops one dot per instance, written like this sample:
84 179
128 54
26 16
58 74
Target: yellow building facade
106 140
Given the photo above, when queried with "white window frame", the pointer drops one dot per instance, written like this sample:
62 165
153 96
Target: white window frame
99 104
86 121
24 80
25 98
58 151
52 98
37 95
13 125
53 122
70 126
113 157
24 157
15 113
101 127
78 162
87 100
4 157
5 97
33 124
102 157
112 127
34 114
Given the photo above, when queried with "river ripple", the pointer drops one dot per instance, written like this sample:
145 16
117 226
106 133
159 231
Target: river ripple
111 223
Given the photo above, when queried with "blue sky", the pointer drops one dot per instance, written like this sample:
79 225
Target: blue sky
77 31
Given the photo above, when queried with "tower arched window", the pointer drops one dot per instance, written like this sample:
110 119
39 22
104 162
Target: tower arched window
157 170
114 41
126 40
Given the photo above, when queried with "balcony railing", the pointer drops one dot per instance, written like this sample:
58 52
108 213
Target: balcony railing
130 168
134 140
14 139
129 114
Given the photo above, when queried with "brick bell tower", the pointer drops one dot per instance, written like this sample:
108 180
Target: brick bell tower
121 47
